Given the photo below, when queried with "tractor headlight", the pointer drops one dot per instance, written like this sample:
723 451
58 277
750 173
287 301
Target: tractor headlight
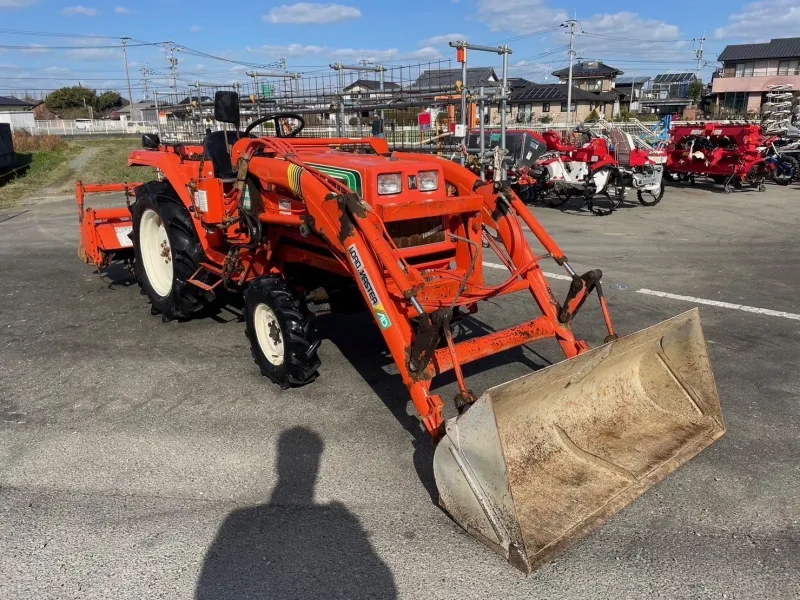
428 181
390 183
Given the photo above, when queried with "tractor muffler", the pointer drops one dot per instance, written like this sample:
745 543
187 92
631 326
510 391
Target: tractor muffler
539 462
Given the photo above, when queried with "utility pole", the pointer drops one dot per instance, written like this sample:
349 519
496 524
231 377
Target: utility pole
699 54
127 73
146 71
173 66
571 24
91 113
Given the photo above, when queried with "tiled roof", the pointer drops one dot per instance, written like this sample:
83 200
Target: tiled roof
11 101
372 84
589 68
775 48
435 79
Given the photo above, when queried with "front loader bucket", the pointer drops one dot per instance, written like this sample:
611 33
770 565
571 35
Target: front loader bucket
538 462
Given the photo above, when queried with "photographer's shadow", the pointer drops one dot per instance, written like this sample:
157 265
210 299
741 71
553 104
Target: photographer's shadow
291 547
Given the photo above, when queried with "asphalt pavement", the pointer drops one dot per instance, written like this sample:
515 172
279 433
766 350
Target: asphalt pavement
141 459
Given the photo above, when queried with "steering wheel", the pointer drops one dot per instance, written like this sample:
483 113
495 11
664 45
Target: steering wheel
279 132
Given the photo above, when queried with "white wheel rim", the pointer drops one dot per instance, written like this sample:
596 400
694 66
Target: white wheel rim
268 334
156 252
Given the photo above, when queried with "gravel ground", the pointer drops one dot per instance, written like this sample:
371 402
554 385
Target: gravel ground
149 460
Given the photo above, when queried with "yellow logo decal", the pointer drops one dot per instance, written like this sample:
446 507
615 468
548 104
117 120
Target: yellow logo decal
295 177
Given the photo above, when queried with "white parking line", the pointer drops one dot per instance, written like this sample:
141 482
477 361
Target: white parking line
546 274
742 307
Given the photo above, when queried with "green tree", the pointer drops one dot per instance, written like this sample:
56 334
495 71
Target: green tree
593 117
546 119
71 97
107 100
696 89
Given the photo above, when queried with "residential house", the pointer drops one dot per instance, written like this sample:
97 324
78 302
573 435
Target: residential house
442 85
750 69
144 111
369 88
630 91
590 76
535 101
17 113
436 81
11 104
669 94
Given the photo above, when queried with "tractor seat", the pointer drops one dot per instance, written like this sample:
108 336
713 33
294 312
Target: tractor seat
216 148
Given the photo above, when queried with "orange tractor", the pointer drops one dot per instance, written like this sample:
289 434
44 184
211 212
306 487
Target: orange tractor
529 466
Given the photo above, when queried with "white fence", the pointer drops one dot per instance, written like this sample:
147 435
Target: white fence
76 127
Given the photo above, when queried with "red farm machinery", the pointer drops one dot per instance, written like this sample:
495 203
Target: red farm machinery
548 168
730 155
527 467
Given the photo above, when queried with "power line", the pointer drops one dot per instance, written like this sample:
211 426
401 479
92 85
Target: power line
625 39
37 47
52 34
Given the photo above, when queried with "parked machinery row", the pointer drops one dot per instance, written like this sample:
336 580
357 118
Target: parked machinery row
596 169
599 168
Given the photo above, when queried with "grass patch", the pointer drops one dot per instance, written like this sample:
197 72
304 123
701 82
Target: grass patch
25 142
51 174
109 163
46 173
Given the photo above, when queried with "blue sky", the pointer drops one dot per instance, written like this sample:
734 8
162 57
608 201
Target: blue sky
642 38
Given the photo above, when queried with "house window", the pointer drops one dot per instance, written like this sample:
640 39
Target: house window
745 69
789 67
564 107
546 107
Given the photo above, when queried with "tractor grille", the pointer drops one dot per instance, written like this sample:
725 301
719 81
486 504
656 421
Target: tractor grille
417 232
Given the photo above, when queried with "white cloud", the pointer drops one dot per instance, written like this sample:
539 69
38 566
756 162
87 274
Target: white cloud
627 34
441 40
305 13
123 10
624 35
56 69
195 28
16 3
35 49
519 16
762 21
85 11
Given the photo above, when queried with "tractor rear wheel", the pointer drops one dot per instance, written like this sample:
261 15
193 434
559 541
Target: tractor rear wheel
282 337
167 252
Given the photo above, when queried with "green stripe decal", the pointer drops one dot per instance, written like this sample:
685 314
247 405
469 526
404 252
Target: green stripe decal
350 178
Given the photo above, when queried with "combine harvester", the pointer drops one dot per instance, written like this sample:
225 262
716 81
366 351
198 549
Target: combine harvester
528 467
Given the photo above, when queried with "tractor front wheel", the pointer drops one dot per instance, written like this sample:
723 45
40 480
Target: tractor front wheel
167 252
282 337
